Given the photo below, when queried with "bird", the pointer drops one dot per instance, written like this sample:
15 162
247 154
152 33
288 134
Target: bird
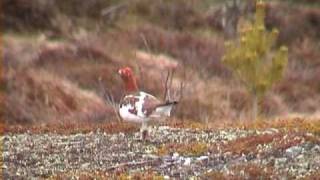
138 106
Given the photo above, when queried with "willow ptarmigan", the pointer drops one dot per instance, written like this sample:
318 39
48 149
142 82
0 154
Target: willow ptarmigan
138 106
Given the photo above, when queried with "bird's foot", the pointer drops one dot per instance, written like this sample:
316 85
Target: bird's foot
144 135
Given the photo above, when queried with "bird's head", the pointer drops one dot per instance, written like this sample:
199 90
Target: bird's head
127 76
125 73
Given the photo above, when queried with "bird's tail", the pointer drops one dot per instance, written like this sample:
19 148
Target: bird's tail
165 108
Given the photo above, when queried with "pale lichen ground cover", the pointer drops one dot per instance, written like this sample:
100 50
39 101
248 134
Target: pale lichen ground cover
274 152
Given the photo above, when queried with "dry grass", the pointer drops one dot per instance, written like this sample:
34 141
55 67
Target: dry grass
298 88
187 149
84 62
201 54
294 22
40 96
286 124
291 124
52 15
179 15
57 81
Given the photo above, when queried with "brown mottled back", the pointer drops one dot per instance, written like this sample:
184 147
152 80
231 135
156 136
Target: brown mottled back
149 105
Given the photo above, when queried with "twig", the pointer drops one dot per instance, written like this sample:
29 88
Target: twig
170 84
107 95
141 82
166 86
182 90
182 86
145 42
132 164
168 92
113 9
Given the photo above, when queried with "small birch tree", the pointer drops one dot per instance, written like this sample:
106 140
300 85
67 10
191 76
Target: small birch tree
254 59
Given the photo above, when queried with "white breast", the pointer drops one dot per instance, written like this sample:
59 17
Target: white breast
128 116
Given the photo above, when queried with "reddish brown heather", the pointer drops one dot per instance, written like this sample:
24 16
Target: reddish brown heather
188 149
298 124
294 22
41 96
291 124
190 50
253 171
247 171
119 174
287 141
277 142
313 176
248 144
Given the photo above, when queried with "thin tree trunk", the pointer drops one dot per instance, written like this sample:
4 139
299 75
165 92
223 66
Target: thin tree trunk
255 107
231 19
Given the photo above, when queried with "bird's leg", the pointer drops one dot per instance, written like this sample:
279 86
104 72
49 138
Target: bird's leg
144 131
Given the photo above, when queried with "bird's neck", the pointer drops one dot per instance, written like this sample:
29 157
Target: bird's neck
131 85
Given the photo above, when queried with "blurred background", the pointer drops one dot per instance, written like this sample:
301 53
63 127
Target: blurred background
60 57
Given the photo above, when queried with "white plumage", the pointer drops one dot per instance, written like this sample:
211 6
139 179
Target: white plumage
138 106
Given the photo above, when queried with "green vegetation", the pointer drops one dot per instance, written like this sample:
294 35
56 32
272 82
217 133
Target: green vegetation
83 45
253 60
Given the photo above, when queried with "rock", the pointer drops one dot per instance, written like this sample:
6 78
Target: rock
203 159
316 149
280 162
175 155
85 165
293 151
187 161
270 131
163 128
5 154
300 157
